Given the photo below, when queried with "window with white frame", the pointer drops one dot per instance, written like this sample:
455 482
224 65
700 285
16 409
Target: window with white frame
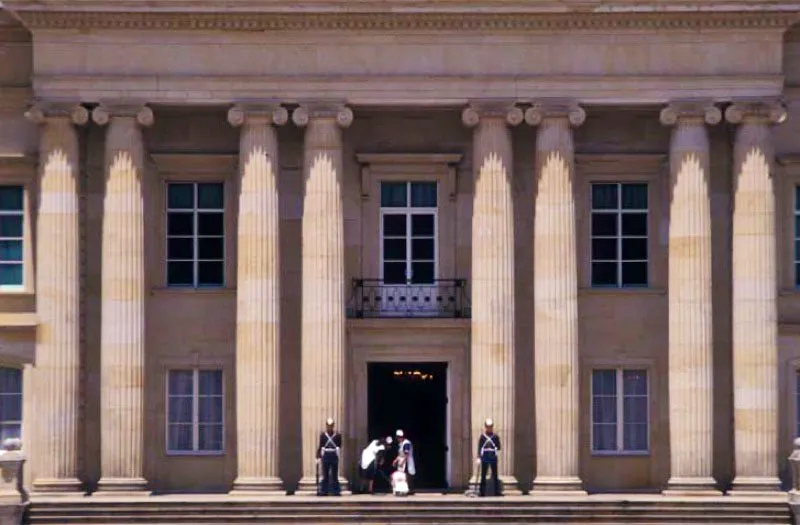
195 234
10 403
408 232
12 212
619 235
619 411
195 402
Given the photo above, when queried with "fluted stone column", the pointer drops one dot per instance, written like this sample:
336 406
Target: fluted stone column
258 313
691 372
492 339
323 291
755 315
555 299
56 376
122 339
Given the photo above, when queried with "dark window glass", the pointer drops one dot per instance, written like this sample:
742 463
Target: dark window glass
210 273
394 272
11 198
181 383
393 194
180 224
394 249
211 383
210 248
422 272
604 196
797 274
797 225
180 273
604 382
797 198
604 224
604 274
423 194
634 383
11 274
634 196
634 224
394 225
10 225
634 249
422 225
180 196
210 224
604 249
634 274
210 437
11 251
210 196
180 248
422 249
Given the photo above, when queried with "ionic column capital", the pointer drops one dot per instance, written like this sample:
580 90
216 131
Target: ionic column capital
690 112
555 109
756 111
41 112
339 112
102 114
269 112
508 111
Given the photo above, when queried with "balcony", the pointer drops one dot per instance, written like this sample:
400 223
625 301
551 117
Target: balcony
444 298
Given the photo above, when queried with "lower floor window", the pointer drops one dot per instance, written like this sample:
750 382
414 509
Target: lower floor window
195 404
619 410
10 403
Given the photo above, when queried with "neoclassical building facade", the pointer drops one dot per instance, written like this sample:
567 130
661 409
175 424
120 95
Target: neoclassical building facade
221 225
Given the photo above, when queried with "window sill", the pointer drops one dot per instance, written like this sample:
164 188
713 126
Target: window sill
620 453
643 290
195 453
181 290
18 291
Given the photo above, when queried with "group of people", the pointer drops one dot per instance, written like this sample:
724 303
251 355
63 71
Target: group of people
373 458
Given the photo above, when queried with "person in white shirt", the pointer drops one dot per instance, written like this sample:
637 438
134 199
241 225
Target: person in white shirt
405 450
369 464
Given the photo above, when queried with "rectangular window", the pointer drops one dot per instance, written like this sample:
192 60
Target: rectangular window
10 403
408 232
619 411
12 214
797 236
195 403
797 404
195 234
619 235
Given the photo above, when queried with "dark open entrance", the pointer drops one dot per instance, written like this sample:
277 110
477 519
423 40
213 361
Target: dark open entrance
413 397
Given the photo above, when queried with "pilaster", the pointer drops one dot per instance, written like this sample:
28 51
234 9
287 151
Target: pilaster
555 298
122 344
323 391
492 339
755 315
56 375
258 313
691 372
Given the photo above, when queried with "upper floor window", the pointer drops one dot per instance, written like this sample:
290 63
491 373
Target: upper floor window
797 236
619 411
797 404
408 232
11 235
619 234
195 422
195 234
10 403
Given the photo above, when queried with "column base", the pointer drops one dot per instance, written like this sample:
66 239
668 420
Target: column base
510 486
268 486
756 487
556 486
692 486
112 487
308 486
57 487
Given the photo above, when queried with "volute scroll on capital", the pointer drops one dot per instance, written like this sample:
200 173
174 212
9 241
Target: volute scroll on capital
690 111
570 110
274 113
761 111
341 113
41 111
472 114
102 114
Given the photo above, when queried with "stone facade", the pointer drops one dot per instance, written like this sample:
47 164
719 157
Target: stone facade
302 112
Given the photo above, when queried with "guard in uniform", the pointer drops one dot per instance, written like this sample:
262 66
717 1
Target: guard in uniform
488 449
328 451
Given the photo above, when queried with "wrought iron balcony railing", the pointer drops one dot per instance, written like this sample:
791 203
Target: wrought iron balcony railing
441 298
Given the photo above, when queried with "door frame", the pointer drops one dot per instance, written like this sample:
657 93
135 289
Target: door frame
457 459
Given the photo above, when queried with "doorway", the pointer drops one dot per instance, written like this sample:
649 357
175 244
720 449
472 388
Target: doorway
412 397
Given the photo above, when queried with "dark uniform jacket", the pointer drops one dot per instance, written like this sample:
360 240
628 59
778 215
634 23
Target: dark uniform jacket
336 439
491 445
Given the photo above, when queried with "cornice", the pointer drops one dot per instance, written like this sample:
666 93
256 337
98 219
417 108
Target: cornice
404 21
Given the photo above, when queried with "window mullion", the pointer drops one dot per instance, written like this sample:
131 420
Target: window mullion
196 411
620 413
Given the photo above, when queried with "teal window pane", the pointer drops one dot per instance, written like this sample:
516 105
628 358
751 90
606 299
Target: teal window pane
393 195
10 225
423 194
634 196
11 198
604 196
797 198
180 196
210 196
11 251
11 274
